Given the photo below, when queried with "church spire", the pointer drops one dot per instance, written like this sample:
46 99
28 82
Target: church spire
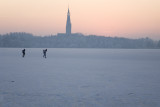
68 24
68 10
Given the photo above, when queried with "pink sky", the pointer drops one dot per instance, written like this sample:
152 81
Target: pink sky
100 17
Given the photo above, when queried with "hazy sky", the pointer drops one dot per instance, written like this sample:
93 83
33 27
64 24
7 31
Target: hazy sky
100 17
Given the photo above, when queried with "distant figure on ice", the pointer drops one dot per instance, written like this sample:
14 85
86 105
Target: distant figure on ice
23 52
44 53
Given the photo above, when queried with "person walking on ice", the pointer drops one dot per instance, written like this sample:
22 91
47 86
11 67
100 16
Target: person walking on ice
44 53
23 53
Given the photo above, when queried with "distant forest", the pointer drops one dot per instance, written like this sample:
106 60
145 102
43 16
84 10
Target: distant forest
26 40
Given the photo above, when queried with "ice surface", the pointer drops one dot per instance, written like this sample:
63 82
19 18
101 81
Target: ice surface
80 78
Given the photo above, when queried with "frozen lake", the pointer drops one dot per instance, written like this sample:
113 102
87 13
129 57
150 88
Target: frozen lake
80 78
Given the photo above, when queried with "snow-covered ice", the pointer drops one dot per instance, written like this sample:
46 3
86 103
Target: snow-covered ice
80 78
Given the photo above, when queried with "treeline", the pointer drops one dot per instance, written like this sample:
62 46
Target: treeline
26 40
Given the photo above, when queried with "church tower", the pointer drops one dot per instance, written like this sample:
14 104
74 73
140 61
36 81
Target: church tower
68 24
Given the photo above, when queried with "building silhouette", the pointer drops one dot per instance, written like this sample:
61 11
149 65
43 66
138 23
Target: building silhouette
68 24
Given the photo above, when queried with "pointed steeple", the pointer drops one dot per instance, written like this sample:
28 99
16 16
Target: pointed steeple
68 24
68 11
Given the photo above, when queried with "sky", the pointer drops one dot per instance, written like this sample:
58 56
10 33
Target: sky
126 18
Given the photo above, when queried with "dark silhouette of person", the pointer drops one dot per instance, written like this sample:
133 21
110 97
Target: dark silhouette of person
44 53
23 52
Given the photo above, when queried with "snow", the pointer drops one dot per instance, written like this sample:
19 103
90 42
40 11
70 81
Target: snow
80 78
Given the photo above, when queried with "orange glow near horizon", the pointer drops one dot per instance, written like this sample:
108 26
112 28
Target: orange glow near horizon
99 17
